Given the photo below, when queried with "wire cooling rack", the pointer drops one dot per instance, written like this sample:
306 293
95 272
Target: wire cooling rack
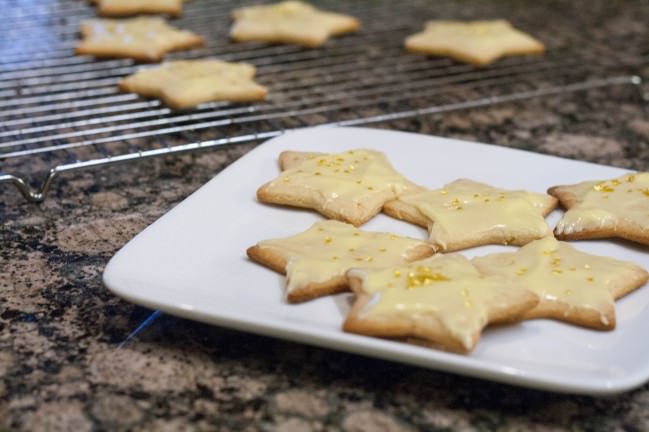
61 113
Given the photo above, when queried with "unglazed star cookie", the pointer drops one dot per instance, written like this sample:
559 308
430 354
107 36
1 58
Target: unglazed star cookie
573 286
466 213
289 22
134 7
605 208
315 261
351 186
443 300
476 42
143 38
185 83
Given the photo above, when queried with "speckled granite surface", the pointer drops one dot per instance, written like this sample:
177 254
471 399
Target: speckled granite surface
66 364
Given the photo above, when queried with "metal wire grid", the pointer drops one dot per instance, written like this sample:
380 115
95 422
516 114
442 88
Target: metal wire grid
60 112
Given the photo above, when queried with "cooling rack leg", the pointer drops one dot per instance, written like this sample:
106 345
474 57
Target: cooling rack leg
28 193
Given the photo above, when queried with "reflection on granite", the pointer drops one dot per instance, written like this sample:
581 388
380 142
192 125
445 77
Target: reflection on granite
63 368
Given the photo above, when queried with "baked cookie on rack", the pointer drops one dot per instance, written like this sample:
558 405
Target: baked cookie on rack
186 83
289 22
142 38
616 207
350 186
116 8
467 213
475 42
315 261
572 286
443 301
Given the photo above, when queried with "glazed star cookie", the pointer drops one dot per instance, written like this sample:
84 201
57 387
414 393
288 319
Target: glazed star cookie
475 42
605 208
115 8
351 186
443 300
315 261
573 286
142 38
185 83
466 213
289 22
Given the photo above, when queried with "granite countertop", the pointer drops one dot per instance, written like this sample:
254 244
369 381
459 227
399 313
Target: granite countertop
67 362
74 357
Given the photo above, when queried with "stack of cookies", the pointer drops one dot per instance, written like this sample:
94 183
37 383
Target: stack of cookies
419 291
184 84
188 83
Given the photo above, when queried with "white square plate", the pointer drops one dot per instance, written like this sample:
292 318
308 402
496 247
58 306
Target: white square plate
192 263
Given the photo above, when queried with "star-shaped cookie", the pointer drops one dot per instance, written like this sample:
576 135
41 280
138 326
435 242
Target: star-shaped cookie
289 22
142 38
573 286
605 208
475 42
315 261
466 213
351 186
185 83
443 300
114 8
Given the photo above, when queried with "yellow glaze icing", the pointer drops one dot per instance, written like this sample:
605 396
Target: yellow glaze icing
466 209
140 6
447 288
330 248
602 204
283 9
197 80
473 41
149 35
557 272
201 69
344 182
476 35
289 18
